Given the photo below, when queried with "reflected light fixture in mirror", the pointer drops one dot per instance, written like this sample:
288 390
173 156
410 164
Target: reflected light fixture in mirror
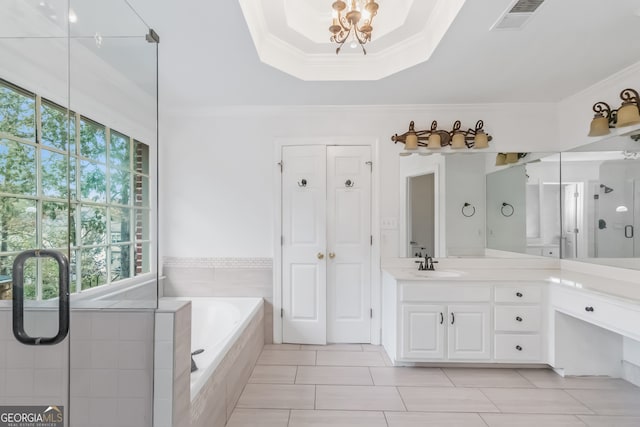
511 158
628 113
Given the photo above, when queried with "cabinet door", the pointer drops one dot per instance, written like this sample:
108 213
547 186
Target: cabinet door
422 331
469 332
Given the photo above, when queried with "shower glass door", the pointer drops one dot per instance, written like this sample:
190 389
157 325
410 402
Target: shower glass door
78 259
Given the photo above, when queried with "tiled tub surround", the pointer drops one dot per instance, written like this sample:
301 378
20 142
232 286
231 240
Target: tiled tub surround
111 366
208 396
222 277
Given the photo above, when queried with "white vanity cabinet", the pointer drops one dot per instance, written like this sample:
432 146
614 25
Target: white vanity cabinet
431 321
436 332
462 321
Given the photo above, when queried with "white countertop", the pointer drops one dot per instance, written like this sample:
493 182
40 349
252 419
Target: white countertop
624 290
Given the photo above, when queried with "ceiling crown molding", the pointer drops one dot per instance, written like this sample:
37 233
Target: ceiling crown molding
412 42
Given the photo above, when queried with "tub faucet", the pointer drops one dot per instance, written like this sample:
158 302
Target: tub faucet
194 367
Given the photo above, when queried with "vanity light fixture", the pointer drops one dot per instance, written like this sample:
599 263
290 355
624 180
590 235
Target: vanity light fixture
346 22
627 115
629 111
434 138
603 120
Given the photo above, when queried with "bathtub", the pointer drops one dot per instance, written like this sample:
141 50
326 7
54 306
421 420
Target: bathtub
216 324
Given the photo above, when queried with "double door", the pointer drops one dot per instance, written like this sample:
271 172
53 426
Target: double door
326 244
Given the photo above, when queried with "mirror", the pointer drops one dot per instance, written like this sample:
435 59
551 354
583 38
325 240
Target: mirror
461 204
601 207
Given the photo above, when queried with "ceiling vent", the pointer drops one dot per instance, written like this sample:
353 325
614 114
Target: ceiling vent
517 14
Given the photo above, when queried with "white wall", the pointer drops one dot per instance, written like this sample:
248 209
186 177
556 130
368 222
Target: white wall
217 166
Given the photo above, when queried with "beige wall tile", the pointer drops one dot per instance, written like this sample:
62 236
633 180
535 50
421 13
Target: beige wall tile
609 421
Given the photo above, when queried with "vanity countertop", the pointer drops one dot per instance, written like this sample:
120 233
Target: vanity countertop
625 291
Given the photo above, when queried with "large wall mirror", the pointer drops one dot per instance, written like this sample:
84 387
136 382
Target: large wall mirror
462 204
602 215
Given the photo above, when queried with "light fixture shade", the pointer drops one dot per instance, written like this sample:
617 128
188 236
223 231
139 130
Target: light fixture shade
481 140
599 126
411 141
501 159
434 141
511 158
457 141
628 115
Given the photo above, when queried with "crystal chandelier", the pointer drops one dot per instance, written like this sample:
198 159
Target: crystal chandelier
346 22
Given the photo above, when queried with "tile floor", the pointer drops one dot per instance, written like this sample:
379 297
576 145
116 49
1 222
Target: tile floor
355 385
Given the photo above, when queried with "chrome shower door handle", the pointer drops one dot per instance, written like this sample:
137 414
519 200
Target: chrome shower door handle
18 297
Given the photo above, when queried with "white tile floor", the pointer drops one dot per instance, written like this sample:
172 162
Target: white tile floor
355 385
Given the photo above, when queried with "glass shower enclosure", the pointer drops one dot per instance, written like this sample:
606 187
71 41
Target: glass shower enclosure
78 213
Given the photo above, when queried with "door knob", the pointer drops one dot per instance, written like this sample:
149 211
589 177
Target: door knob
320 255
332 255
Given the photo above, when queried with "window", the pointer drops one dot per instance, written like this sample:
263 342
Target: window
72 184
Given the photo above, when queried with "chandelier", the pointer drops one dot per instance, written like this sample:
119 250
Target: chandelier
346 22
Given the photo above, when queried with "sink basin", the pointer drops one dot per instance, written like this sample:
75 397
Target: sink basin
436 273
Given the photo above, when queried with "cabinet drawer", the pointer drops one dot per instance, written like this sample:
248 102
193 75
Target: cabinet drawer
517 347
599 310
519 294
453 293
513 318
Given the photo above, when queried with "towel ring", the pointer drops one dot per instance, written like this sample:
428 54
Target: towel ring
473 211
508 208
302 183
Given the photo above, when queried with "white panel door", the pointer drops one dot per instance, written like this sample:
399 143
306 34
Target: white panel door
469 332
304 245
349 244
422 331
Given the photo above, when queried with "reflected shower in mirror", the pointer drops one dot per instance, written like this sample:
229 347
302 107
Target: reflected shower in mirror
601 203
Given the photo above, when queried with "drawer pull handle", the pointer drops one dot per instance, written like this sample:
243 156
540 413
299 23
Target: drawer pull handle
519 319
519 348
519 294
441 318
453 318
589 309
